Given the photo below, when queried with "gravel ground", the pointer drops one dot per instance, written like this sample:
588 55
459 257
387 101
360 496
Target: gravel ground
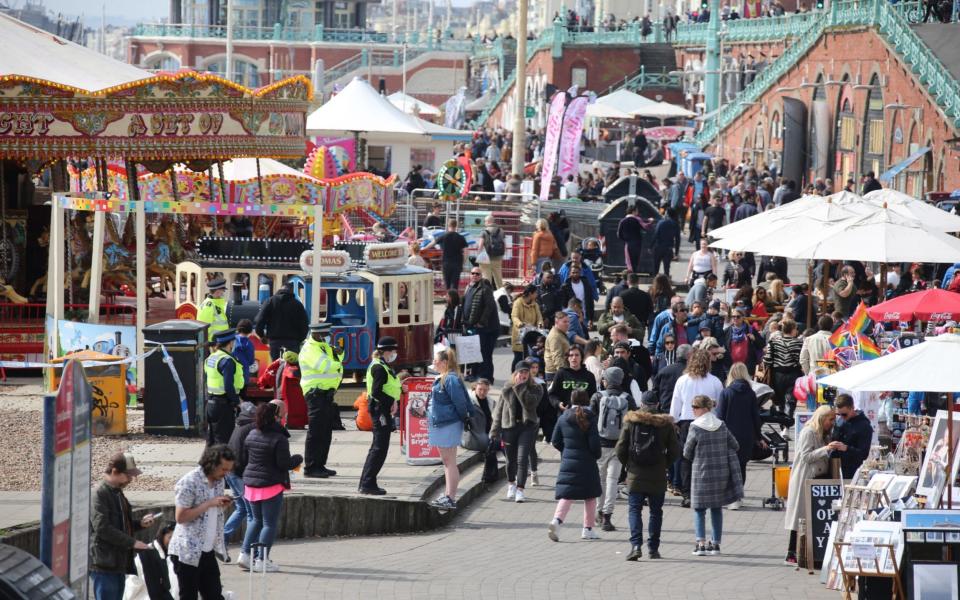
21 457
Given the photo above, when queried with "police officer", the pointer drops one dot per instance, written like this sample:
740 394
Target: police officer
225 381
383 389
320 375
213 309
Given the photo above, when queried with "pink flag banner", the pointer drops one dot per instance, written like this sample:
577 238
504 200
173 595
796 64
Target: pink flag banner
552 142
570 137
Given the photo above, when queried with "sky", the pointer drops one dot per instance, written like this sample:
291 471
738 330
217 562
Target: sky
124 12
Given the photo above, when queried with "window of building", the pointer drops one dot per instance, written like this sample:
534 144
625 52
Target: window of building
245 72
162 63
578 77
344 15
423 156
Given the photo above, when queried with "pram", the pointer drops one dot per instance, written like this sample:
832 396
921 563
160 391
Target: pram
772 421
593 258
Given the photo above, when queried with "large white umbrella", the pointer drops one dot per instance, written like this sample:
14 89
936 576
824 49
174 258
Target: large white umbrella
764 220
663 110
884 236
930 366
621 104
808 223
931 216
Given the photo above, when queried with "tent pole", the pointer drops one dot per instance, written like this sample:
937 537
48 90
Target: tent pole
883 282
810 287
140 227
824 277
950 450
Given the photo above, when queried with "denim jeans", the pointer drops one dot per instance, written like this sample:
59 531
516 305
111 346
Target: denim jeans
108 586
716 523
263 528
518 442
241 508
635 517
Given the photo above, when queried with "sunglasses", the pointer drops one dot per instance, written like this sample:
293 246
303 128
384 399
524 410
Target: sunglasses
669 342
475 273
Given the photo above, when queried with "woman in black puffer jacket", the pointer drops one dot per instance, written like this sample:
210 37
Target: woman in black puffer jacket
266 454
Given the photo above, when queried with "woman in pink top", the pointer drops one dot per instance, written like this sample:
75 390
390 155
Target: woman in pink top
266 474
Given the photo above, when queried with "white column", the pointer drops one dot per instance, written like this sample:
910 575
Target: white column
317 246
96 266
141 230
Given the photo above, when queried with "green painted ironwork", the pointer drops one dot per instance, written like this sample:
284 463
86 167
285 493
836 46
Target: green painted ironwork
891 21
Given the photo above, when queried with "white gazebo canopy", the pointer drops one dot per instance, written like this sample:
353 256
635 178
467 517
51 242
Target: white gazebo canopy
359 108
412 106
32 52
664 110
931 216
621 104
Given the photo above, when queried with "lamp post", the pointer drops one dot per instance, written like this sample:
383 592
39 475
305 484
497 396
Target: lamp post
520 84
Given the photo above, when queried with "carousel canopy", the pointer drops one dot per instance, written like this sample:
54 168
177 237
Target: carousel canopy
411 105
36 54
71 102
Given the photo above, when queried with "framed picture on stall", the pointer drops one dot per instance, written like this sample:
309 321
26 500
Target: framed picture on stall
935 581
933 472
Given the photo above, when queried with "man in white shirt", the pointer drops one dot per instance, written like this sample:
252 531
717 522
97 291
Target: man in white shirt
571 187
817 345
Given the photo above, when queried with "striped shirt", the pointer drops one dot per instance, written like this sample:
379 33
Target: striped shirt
783 353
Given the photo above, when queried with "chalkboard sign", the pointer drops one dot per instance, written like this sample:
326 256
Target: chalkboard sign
818 496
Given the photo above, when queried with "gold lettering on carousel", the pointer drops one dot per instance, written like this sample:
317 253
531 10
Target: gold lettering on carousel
136 127
210 123
171 123
25 123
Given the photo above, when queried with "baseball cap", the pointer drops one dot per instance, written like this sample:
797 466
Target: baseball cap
124 463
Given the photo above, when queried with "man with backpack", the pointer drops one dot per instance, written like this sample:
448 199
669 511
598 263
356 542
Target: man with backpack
611 407
494 241
647 444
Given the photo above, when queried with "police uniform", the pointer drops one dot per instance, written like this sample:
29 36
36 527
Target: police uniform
383 389
225 380
213 311
320 375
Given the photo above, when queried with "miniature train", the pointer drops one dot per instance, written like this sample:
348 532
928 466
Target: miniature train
384 298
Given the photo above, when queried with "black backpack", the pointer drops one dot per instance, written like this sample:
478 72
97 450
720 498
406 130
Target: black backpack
495 244
645 445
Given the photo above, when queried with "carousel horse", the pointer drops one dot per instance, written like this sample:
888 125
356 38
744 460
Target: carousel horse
7 291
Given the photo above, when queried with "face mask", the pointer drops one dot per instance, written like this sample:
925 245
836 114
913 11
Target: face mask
390 357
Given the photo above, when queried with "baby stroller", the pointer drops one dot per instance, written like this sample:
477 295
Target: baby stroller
593 258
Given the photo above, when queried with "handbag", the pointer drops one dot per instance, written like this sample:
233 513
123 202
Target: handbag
760 452
474 436
762 374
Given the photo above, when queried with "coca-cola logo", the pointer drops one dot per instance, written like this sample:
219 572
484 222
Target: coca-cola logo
891 316
941 316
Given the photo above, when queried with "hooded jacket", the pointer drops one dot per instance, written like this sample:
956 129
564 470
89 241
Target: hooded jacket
242 429
267 456
648 479
282 317
715 474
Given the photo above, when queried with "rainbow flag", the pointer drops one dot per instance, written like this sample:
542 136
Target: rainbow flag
859 321
838 336
868 349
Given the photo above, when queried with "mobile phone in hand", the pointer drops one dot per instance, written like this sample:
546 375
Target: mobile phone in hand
156 516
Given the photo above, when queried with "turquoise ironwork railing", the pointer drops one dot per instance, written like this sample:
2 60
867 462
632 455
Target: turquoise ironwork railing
891 21
642 79
533 46
748 30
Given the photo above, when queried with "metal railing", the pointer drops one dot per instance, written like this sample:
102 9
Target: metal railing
748 30
892 21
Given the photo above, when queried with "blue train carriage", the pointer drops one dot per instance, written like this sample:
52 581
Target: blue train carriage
386 297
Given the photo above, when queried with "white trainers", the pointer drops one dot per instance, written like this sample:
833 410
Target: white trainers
553 530
519 497
271 567
735 506
244 561
589 534
511 491
534 479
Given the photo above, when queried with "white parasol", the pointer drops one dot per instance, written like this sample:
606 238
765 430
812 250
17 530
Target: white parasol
931 216
885 236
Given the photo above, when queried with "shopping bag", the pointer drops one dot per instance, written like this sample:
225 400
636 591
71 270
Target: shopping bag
468 349
483 258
